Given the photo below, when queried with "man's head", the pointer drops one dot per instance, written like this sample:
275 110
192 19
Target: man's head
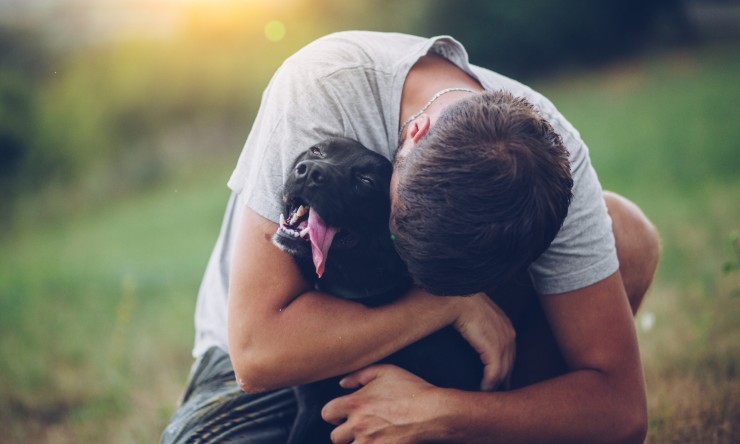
480 195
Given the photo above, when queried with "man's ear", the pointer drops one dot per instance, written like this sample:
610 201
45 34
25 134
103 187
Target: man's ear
418 128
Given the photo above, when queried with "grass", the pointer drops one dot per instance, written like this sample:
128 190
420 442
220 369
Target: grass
96 316
663 131
96 309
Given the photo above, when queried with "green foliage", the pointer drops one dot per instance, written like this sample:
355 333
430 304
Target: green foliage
23 61
96 314
109 107
521 37
733 264
526 38
676 120
99 121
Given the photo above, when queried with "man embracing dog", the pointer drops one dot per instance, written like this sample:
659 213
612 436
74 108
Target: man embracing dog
481 197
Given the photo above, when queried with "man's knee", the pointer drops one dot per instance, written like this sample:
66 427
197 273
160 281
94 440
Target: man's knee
638 246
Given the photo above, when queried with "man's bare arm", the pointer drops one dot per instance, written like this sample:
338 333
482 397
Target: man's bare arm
282 333
602 398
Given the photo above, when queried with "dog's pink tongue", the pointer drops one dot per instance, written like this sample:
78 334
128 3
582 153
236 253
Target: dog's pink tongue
321 237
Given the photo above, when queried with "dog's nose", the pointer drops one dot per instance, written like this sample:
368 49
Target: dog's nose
310 171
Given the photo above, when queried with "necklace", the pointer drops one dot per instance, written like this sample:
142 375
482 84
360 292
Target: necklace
429 103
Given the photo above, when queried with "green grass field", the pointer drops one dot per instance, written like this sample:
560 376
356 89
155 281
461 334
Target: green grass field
96 309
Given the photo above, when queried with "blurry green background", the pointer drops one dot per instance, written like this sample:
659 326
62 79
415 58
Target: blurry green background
120 122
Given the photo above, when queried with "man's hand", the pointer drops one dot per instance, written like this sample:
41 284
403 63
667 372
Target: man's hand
488 330
392 405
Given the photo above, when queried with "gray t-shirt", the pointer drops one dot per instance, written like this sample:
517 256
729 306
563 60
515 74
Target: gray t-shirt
349 84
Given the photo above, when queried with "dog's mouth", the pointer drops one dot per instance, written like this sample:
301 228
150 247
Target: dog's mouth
296 225
304 223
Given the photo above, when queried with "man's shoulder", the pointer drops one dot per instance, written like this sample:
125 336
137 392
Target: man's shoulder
361 39
354 48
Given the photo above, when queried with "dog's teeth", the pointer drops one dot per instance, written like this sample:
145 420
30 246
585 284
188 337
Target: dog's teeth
282 219
304 232
301 211
294 218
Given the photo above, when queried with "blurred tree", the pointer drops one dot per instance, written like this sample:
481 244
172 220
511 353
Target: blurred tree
121 114
23 63
522 37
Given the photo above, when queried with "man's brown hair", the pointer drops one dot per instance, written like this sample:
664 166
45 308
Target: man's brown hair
481 196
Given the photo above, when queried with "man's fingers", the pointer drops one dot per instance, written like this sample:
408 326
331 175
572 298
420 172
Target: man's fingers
342 435
494 376
335 411
364 376
491 378
489 331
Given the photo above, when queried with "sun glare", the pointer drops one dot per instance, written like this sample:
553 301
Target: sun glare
275 30
228 17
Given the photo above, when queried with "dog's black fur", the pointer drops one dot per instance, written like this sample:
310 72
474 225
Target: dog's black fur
348 185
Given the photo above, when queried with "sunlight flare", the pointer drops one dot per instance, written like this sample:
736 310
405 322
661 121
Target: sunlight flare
275 31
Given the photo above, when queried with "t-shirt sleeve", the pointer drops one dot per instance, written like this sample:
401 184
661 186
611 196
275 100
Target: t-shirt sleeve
297 110
583 252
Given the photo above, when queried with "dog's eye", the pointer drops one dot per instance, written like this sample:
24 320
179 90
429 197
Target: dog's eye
316 151
365 179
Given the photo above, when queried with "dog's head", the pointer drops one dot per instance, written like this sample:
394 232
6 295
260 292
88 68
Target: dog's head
336 209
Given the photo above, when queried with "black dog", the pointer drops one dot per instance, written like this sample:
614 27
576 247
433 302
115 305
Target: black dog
337 204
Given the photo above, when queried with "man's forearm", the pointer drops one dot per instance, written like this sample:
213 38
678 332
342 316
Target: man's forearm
281 334
601 400
317 336
583 406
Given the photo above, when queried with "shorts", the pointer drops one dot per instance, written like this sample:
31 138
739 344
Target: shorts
214 409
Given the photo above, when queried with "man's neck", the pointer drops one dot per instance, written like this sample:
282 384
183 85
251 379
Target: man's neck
428 76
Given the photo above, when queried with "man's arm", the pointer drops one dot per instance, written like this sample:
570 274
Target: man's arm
277 338
602 398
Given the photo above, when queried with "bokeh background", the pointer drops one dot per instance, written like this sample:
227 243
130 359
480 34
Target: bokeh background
121 120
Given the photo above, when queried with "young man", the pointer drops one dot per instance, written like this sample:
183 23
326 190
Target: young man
278 332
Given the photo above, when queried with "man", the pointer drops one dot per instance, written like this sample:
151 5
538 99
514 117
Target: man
279 332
